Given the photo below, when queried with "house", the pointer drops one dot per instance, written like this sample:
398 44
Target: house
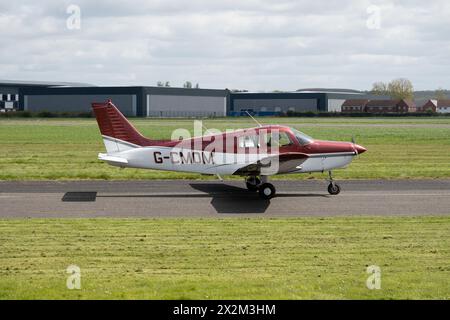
406 105
390 106
443 106
428 106
354 105
382 106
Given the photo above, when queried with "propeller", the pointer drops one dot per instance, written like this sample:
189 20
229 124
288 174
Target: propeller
354 148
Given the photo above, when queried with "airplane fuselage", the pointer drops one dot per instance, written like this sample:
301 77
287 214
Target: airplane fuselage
212 162
254 153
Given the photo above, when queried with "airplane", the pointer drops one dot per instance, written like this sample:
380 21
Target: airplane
254 153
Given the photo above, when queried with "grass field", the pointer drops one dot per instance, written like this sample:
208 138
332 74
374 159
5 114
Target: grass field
257 258
67 148
226 259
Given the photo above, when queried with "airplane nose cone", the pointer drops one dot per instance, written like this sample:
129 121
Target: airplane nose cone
360 149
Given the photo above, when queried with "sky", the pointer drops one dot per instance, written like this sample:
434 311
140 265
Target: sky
255 45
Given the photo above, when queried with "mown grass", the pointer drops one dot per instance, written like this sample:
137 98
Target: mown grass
36 149
296 258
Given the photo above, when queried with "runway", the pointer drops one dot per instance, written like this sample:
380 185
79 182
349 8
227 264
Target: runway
183 198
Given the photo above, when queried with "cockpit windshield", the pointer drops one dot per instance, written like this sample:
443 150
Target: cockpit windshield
302 138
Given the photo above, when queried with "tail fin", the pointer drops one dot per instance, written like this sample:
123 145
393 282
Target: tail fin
118 133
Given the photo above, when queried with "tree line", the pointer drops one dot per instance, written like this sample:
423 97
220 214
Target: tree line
187 84
401 88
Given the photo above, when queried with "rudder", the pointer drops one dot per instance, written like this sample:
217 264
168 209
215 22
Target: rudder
117 132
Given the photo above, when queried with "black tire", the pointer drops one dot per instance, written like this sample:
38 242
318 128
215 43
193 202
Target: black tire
253 185
267 191
334 189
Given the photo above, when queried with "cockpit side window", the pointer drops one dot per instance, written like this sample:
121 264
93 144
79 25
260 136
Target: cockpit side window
248 141
278 139
302 138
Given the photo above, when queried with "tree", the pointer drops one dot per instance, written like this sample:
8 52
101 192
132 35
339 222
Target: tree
401 88
380 89
187 85
440 94
163 84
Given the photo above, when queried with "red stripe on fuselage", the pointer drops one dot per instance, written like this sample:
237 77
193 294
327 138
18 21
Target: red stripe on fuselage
228 143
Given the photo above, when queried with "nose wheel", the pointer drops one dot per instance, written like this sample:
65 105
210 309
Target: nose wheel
333 188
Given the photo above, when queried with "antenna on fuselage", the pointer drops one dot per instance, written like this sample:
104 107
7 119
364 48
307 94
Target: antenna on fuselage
205 128
259 124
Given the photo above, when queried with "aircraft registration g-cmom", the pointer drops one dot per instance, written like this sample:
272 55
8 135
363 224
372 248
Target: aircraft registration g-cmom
254 153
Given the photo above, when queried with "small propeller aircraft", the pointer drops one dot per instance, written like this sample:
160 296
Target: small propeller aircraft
254 153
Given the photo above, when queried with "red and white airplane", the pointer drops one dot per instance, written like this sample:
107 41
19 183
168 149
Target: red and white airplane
254 153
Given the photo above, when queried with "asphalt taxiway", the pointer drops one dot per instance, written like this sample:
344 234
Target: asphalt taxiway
184 198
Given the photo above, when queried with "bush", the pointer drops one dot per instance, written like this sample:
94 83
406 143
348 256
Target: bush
46 114
15 114
361 114
23 114
84 115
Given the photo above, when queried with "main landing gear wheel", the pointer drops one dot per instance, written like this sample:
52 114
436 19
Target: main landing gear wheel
267 191
334 189
252 183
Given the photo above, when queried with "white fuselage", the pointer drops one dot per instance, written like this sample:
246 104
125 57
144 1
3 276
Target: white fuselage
196 161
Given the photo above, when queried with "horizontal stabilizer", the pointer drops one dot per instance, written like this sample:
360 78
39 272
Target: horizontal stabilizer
112 159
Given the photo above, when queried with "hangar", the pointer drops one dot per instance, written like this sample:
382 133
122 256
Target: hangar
132 101
325 100
184 102
10 91
148 101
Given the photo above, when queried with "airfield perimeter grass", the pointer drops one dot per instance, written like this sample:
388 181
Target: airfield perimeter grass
285 258
48 149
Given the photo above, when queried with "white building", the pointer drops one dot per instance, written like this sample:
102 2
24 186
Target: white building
443 106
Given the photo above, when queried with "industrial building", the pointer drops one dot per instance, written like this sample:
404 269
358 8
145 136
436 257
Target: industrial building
10 91
142 101
324 100
132 101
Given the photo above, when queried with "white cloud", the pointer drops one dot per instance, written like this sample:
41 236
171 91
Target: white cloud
252 44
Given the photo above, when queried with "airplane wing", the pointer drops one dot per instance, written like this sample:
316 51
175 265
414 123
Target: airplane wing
282 163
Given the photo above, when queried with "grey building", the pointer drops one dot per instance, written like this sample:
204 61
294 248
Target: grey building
142 101
132 101
79 99
325 100
10 91
9 97
181 102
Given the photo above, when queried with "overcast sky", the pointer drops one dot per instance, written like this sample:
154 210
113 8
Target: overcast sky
259 45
